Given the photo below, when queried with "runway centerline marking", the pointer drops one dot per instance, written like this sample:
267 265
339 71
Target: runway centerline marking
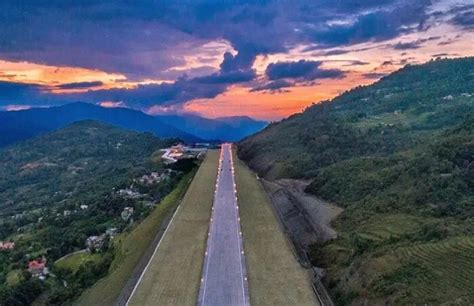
224 280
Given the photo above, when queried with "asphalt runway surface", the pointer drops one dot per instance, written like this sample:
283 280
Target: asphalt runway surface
224 280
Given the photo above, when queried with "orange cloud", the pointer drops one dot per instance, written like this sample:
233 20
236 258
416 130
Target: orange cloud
25 72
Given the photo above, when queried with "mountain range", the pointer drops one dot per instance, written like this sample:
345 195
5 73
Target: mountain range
24 124
225 128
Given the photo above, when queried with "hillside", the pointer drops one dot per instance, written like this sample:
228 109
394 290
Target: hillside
58 189
24 124
398 155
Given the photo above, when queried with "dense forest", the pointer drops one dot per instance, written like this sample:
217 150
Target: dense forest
398 155
63 198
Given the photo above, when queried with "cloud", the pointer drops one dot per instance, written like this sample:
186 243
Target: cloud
167 41
302 69
376 25
230 77
143 96
80 85
149 38
407 45
413 44
335 52
18 93
356 63
273 86
374 75
444 54
464 19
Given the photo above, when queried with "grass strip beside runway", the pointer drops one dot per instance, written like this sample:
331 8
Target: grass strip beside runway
274 275
174 274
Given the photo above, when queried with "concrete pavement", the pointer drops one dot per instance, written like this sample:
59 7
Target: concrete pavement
224 280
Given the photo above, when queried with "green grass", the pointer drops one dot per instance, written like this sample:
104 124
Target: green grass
74 261
130 247
399 119
275 277
391 226
173 277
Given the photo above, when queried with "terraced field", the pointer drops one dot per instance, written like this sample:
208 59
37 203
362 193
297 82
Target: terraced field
450 270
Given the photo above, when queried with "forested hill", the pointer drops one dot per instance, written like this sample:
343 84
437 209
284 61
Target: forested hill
58 189
376 119
398 155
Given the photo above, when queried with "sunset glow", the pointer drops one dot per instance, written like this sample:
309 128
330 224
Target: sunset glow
192 76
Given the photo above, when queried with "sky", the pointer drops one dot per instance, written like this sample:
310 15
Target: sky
263 59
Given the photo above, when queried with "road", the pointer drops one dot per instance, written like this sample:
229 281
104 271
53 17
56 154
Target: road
224 280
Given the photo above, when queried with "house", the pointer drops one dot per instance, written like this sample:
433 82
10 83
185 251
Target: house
111 232
38 268
95 243
127 213
6 245
84 207
66 213
129 193
152 178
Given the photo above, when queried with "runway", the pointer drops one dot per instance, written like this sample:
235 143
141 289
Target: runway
224 280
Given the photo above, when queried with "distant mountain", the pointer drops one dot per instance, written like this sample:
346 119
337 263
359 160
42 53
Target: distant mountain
24 124
224 129
398 155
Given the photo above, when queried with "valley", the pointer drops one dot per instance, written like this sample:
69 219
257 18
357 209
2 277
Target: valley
237 153
364 199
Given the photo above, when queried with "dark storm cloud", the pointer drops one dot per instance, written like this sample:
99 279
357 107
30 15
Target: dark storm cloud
305 70
146 38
